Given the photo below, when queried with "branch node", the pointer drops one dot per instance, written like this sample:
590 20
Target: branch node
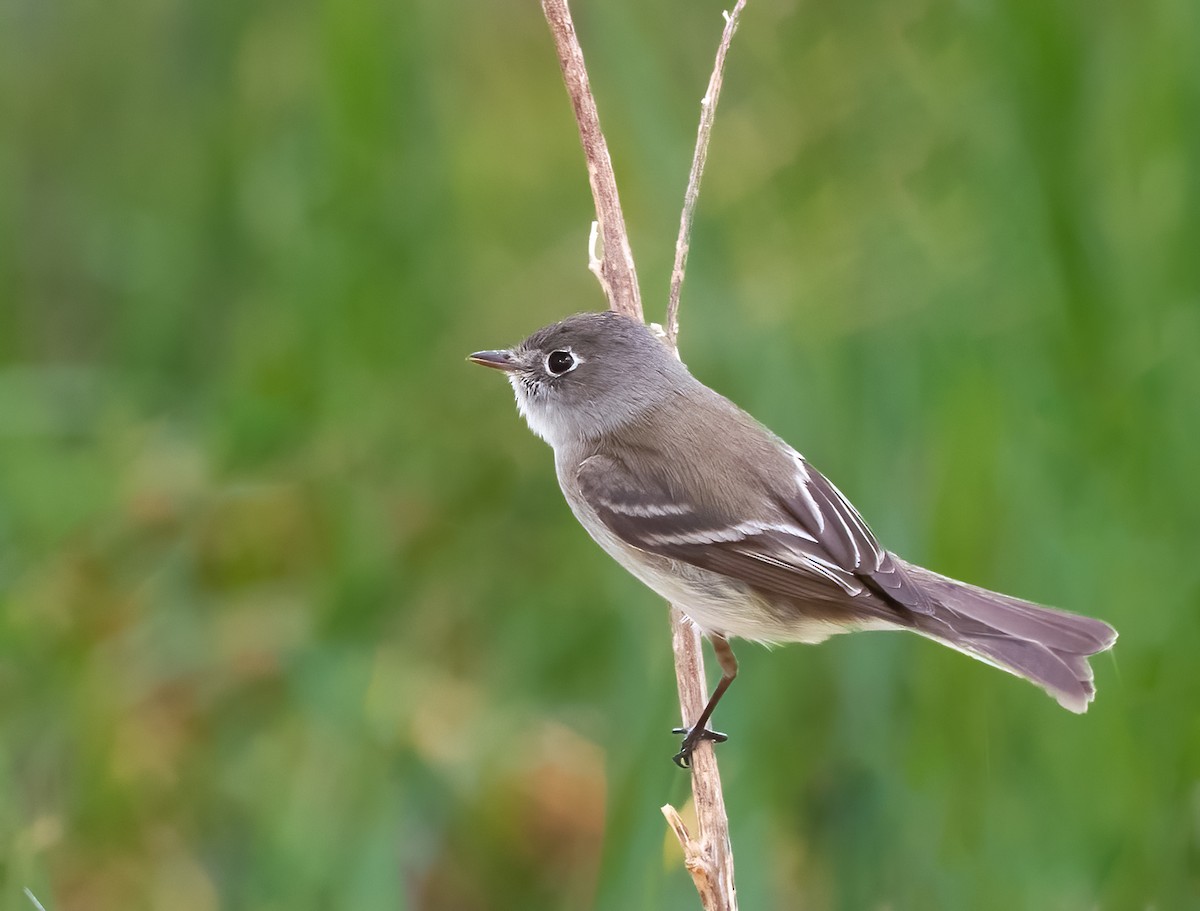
697 859
596 256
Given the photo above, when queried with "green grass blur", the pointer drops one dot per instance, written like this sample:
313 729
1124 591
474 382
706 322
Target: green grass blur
291 612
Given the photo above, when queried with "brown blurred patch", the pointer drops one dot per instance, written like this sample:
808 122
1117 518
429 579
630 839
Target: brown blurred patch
546 808
255 532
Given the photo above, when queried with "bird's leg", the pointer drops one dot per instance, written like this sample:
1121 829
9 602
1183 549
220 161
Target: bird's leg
699 731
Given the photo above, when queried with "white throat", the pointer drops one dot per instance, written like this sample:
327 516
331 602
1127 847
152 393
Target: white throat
542 417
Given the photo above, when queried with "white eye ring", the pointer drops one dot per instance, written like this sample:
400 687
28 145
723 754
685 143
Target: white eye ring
559 355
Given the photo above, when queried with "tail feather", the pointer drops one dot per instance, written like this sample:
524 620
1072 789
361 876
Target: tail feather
1045 646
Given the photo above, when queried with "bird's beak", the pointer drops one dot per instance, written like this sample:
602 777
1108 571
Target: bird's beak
499 360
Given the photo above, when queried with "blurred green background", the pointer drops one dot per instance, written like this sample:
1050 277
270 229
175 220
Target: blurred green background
291 612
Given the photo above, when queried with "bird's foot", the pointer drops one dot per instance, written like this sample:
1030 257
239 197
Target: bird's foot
691 740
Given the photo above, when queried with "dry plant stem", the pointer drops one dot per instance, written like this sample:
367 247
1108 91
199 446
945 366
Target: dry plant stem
617 274
709 857
708 110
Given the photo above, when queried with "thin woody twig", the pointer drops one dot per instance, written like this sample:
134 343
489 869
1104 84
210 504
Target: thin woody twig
709 859
708 109
709 856
695 860
617 274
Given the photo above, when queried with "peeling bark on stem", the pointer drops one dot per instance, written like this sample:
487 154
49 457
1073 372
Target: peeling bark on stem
709 856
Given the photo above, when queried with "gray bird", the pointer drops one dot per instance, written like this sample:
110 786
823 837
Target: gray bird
725 520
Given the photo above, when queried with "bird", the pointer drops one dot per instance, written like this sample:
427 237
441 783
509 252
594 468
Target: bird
721 517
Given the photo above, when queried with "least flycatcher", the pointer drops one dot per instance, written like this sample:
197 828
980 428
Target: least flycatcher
728 522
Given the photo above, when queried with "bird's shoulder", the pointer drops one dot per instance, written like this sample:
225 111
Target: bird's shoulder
697 446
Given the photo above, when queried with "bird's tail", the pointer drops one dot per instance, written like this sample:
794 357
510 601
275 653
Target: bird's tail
1046 646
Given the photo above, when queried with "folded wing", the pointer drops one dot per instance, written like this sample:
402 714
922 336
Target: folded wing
804 543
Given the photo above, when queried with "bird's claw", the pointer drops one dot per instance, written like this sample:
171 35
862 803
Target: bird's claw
692 738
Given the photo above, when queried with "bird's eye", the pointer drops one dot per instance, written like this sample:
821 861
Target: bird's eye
560 362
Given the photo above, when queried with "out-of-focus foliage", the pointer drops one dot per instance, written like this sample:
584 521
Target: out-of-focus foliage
291 612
